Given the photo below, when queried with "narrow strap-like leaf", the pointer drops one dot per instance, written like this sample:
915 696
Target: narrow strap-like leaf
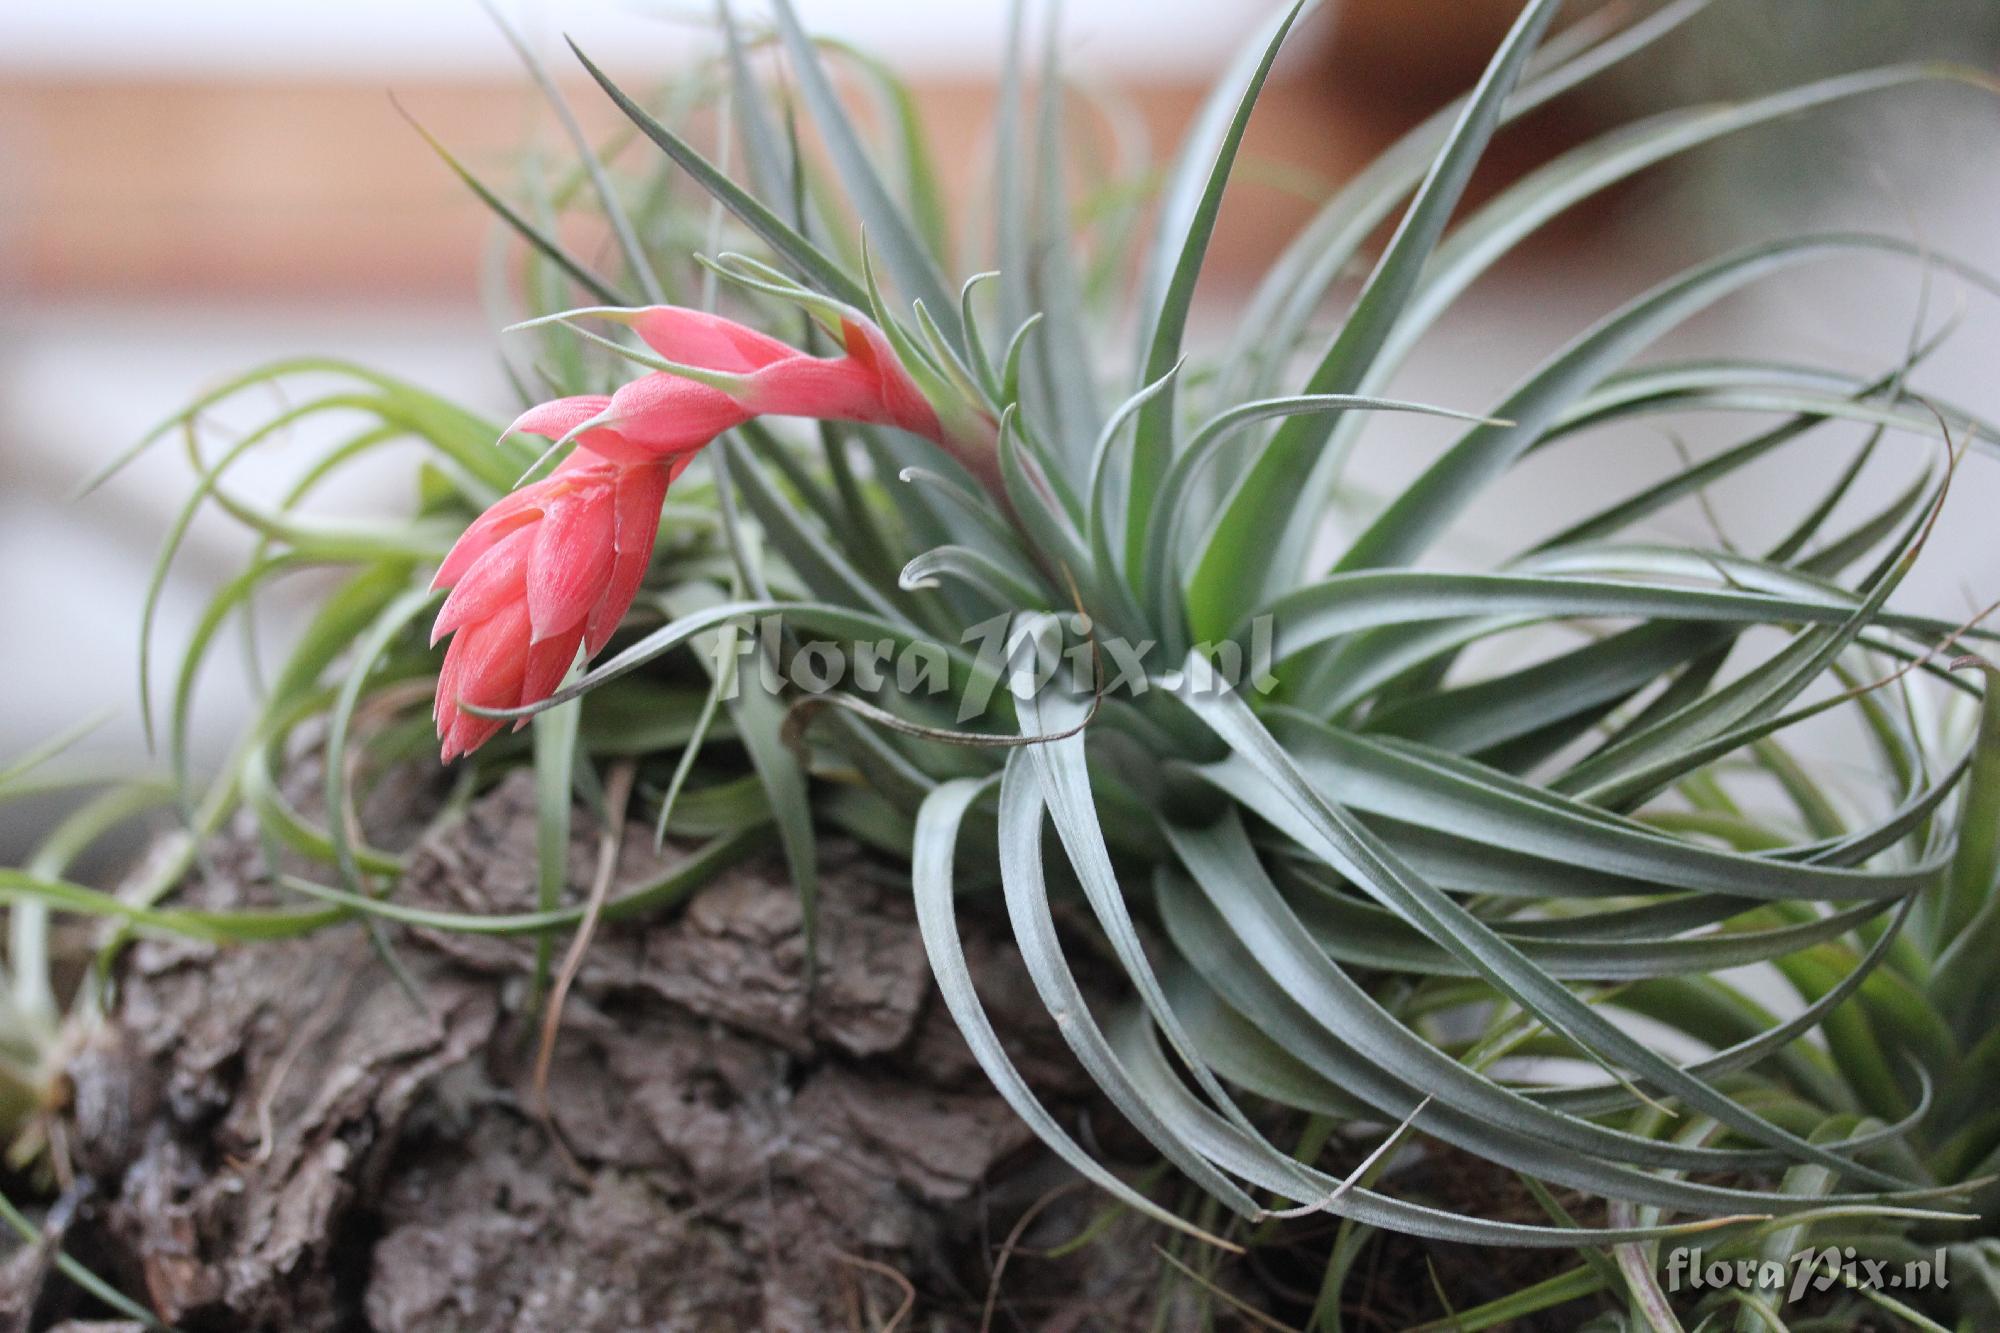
1230 1147
1352 848
888 226
931 875
1021 874
1243 552
607 195
1276 956
1153 438
801 253
1420 512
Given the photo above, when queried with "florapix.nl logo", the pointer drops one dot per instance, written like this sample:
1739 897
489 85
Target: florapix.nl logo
1689 1268
1021 655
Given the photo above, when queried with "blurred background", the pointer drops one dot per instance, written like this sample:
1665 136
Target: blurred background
190 189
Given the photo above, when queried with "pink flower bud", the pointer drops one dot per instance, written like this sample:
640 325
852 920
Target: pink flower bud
553 567
866 384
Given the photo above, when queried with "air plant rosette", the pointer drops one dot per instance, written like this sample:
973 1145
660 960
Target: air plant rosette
1379 875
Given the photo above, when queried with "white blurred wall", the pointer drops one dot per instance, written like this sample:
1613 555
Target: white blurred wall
430 37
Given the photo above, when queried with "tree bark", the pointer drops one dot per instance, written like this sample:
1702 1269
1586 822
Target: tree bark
280 1136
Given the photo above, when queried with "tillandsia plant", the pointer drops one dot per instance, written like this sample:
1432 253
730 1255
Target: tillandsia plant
1389 854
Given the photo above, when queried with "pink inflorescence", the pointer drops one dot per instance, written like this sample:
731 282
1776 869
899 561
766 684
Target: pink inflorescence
554 566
